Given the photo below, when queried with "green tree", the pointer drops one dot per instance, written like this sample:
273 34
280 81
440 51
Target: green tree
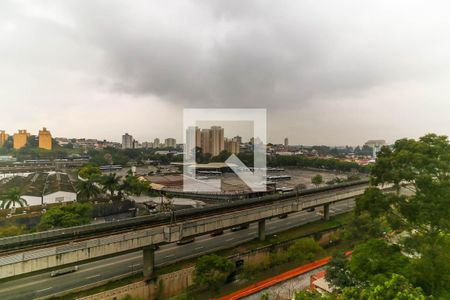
423 167
362 227
66 216
89 171
110 183
222 157
11 230
338 274
317 180
12 198
376 260
420 172
212 270
372 201
88 188
396 287
132 185
311 295
431 269
305 250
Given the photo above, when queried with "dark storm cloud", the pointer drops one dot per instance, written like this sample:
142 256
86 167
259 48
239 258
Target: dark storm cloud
229 53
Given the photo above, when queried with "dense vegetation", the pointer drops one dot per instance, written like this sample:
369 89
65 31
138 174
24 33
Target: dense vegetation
66 216
92 183
212 270
319 163
402 239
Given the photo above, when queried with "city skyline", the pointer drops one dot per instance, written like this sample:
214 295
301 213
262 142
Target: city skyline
173 141
224 149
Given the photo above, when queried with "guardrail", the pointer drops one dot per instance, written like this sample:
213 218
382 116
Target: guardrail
158 219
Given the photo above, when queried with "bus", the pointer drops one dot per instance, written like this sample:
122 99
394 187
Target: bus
64 271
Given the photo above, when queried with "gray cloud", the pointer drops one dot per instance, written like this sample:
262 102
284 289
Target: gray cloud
300 59
259 53
252 54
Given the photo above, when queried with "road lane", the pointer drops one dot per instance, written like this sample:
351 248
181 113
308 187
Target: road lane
43 285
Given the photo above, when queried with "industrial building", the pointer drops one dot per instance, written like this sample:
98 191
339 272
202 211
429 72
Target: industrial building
41 188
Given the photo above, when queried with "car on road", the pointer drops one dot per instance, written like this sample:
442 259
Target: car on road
240 227
186 240
64 271
217 232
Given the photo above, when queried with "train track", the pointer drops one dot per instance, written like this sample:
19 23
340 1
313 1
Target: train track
158 220
63 241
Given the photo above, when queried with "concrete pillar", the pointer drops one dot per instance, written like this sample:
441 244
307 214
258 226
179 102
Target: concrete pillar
149 261
262 229
326 212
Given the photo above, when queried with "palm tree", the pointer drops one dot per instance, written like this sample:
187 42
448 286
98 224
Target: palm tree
132 185
88 188
13 197
110 183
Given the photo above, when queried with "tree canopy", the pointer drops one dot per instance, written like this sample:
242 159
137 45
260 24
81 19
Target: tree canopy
212 270
12 198
416 216
396 287
317 180
66 216
423 167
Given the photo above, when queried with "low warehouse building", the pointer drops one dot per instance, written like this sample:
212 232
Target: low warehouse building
58 189
41 188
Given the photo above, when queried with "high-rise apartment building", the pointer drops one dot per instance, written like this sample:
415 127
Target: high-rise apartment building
45 139
136 144
20 139
238 139
193 140
232 146
170 143
3 138
205 143
156 143
193 137
210 140
217 140
147 145
286 143
127 141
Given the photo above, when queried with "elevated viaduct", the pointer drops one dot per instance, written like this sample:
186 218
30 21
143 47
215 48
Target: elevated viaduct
26 261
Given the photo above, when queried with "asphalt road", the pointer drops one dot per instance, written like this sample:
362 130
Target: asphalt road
43 285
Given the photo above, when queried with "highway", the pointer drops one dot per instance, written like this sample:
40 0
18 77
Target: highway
43 285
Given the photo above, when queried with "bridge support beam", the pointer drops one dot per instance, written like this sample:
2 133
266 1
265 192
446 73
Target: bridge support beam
262 230
149 261
326 212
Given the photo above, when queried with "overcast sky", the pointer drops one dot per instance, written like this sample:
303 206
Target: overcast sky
328 72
